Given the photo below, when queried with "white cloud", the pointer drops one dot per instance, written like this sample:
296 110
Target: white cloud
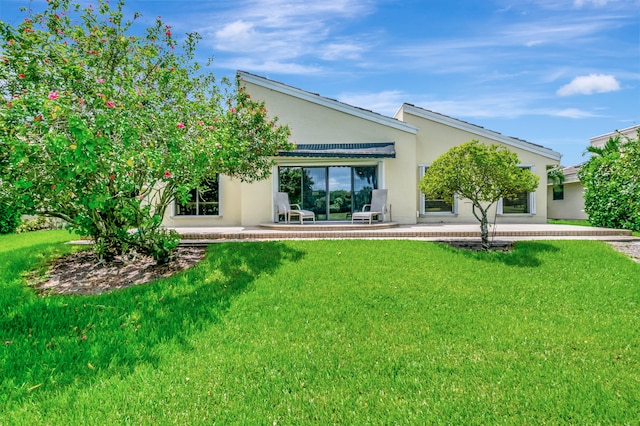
339 51
285 30
573 113
590 84
386 102
270 66
580 3
235 35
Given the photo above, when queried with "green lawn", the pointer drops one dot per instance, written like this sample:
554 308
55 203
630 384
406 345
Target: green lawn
576 222
323 332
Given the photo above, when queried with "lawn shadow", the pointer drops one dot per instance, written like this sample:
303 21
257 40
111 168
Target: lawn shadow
61 340
524 254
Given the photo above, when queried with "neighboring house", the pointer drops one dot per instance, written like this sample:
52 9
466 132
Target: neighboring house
344 152
629 132
567 200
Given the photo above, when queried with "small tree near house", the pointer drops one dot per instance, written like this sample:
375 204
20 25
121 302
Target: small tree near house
480 173
104 128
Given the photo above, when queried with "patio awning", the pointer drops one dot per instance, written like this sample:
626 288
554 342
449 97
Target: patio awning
343 150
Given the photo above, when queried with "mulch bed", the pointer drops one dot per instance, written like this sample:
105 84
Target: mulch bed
476 245
82 273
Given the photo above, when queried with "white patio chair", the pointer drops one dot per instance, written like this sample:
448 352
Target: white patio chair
378 207
284 208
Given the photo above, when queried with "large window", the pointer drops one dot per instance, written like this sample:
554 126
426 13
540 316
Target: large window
331 192
203 201
523 203
519 204
433 206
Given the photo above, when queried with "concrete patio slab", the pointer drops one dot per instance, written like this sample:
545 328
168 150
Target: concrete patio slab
508 232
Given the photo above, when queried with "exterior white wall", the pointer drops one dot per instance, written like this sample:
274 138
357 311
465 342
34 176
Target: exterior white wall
436 138
230 208
311 123
571 207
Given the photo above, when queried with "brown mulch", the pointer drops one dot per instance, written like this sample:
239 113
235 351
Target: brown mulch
476 245
82 273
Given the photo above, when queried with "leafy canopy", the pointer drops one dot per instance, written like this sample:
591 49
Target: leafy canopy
612 185
103 128
480 173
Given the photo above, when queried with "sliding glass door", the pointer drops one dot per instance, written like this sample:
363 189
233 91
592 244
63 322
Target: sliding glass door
332 192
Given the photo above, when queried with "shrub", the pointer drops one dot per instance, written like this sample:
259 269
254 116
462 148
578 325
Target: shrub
39 223
612 187
9 218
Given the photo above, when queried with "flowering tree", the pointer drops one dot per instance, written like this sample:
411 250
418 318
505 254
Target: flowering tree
480 173
103 128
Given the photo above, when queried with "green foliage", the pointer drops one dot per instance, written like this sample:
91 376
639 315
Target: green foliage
103 129
39 223
304 332
555 175
480 173
612 185
9 217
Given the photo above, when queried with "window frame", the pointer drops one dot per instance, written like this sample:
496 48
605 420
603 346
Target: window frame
423 199
174 204
531 198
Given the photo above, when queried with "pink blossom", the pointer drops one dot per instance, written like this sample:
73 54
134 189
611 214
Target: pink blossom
233 110
53 95
200 122
110 104
167 174
180 125
100 80
20 75
168 33
81 102
218 146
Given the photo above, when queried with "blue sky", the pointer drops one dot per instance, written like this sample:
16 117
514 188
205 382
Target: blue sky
553 72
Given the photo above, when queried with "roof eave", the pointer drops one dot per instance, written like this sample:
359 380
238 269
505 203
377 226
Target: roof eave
326 102
452 122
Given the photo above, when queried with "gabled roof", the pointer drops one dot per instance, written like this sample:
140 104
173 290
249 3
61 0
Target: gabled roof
481 131
327 102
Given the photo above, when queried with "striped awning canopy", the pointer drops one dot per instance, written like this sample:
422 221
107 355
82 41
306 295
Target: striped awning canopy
343 150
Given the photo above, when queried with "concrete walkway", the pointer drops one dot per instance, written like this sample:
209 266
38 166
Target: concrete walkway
505 232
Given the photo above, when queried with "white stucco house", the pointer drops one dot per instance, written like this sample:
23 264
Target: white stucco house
567 201
344 152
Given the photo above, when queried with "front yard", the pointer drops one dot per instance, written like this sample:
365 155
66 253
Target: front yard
355 332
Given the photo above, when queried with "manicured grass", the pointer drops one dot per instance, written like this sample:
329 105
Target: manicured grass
355 332
576 222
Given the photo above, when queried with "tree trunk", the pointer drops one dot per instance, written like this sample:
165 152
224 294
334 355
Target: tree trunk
484 223
484 231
